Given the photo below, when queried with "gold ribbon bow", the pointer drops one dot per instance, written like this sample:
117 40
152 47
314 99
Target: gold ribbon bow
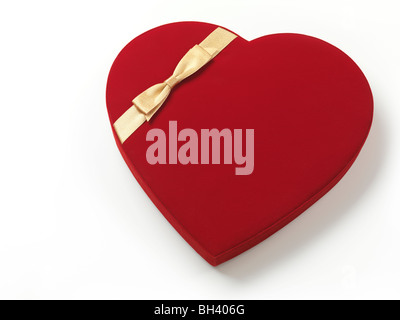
146 104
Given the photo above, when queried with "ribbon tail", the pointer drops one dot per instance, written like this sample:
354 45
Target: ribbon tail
132 119
128 123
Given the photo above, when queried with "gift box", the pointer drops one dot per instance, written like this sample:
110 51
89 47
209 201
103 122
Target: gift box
232 139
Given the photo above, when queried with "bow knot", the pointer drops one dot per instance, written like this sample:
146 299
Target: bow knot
146 104
172 81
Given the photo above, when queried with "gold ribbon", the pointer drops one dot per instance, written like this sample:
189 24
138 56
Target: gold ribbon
146 104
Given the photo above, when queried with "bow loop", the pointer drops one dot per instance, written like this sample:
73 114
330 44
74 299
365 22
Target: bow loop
151 99
146 104
191 62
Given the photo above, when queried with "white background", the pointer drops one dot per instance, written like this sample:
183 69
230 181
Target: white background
74 223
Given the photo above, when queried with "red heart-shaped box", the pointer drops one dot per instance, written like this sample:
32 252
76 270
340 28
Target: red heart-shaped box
310 107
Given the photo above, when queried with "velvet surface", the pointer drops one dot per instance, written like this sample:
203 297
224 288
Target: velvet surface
310 107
